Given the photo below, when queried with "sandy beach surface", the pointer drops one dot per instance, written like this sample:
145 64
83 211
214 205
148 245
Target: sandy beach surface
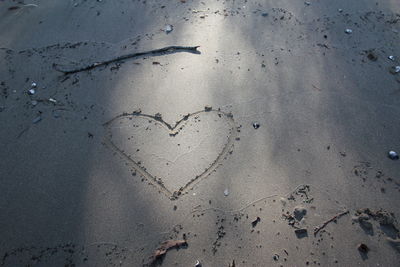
260 137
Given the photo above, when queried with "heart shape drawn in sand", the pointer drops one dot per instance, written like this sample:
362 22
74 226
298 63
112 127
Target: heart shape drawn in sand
172 157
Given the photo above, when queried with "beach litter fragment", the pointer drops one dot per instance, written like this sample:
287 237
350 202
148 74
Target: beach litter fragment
300 233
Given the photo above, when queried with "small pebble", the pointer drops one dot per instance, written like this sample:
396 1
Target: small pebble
348 31
226 192
256 125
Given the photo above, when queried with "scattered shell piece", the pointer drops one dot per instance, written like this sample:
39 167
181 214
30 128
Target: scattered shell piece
256 125
395 69
391 58
168 28
275 257
226 192
52 100
283 201
393 155
197 264
31 91
37 119
33 85
348 31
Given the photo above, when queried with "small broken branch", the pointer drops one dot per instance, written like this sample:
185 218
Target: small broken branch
164 50
334 218
165 246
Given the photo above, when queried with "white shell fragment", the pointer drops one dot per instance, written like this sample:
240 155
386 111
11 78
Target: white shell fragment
168 28
393 155
226 192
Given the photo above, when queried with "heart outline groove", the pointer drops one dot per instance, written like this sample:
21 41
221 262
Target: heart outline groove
173 131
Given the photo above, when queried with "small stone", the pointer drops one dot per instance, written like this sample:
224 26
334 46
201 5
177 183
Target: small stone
208 108
372 56
348 31
34 102
275 257
56 114
363 248
256 125
158 116
255 222
265 14
37 119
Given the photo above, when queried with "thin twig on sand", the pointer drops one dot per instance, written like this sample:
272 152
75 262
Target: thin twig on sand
334 218
164 50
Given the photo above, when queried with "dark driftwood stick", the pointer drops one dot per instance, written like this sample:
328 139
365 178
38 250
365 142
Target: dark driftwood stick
322 226
168 49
